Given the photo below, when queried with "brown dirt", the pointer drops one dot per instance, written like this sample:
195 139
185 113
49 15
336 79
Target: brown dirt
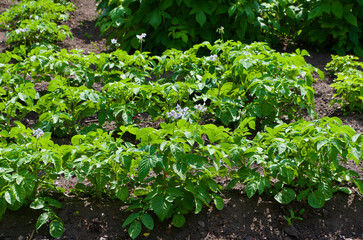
242 218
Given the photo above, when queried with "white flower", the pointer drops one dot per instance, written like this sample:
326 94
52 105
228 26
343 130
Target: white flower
201 108
114 41
141 37
180 112
38 133
23 29
213 57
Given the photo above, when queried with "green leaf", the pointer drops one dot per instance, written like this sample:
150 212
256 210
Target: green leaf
52 202
146 164
302 195
288 173
232 9
9 197
316 12
200 18
42 219
321 143
38 203
184 37
19 193
351 19
175 192
155 18
218 202
135 229
131 218
251 188
57 161
285 196
166 4
282 148
160 206
198 206
177 152
122 193
359 184
127 160
345 190
212 185
148 221
22 96
180 169
94 97
355 153
326 190
337 9
101 180
358 51
56 228
316 199
178 220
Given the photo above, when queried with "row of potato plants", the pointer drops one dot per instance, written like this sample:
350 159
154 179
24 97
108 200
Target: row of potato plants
31 23
348 82
171 171
233 81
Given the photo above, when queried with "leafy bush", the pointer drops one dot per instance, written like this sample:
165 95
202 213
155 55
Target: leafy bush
177 24
336 23
180 24
349 82
302 160
28 168
323 23
283 20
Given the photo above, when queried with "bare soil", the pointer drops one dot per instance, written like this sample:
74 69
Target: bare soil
241 218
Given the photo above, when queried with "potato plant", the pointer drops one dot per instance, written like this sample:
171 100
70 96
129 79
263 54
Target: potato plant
348 82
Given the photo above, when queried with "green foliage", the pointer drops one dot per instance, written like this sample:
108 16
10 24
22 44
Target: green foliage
348 82
177 24
335 24
283 19
38 31
35 10
34 22
47 204
303 159
338 23
180 24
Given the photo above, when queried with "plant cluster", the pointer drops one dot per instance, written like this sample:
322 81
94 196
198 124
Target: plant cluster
32 22
182 23
348 83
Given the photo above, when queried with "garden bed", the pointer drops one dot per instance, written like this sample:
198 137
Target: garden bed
258 217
